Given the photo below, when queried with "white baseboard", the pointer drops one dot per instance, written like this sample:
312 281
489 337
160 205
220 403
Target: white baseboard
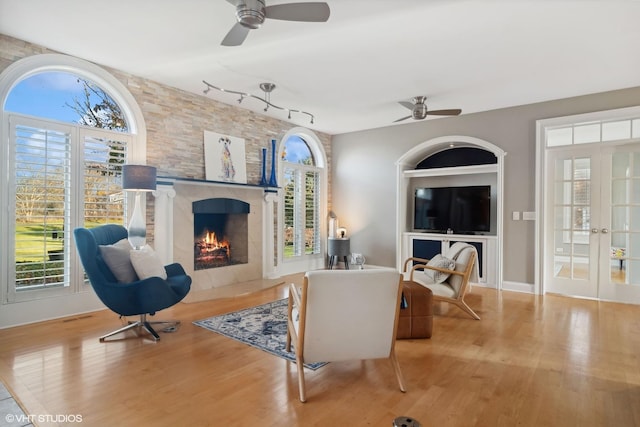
518 287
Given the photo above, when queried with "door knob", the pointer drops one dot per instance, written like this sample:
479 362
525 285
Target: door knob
594 230
605 230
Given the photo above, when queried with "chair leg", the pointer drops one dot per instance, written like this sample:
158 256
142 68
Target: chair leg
463 305
142 323
396 368
132 325
301 385
299 363
149 328
172 324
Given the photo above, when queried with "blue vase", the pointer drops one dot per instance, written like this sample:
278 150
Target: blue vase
263 179
272 180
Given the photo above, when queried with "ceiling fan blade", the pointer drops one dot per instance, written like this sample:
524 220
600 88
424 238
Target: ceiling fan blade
406 104
307 12
404 118
453 112
236 35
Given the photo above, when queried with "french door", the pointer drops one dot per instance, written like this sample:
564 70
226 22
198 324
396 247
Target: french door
592 237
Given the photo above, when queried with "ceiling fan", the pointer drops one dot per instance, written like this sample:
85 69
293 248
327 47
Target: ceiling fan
419 110
252 13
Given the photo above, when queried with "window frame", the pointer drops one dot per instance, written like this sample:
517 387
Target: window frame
35 309
77 135
299 238
308 261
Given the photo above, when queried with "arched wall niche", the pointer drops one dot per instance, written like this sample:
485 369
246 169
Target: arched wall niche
458 156
406 170
430 147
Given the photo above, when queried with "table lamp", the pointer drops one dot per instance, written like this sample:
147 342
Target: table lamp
138 178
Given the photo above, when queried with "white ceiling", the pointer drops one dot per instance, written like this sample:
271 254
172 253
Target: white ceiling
351 71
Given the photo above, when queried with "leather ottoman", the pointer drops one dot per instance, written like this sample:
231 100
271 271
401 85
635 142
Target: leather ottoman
416 320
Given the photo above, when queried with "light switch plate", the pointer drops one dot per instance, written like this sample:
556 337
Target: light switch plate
516 216
529 216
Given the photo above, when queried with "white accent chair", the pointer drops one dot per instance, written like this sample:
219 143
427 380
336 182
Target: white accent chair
456 286
340 315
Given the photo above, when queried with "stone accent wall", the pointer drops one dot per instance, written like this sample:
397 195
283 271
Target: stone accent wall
176 121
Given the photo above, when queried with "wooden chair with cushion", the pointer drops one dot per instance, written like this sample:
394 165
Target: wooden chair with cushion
340 315
449 284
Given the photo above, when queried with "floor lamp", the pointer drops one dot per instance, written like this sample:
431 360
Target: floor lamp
138 178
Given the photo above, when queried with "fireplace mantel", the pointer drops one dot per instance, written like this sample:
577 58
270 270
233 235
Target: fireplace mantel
170 180
173 232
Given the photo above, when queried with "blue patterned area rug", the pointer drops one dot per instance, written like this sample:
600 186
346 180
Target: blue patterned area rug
263 327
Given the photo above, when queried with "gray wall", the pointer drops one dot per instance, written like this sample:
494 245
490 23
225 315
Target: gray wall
364 173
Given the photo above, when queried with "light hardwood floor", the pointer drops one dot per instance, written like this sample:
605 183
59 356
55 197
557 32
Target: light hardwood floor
530 361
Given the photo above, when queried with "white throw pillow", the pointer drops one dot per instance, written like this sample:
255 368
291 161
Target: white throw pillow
116 257
439 261
147 263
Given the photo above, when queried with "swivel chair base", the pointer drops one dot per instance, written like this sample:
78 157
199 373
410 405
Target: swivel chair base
141 324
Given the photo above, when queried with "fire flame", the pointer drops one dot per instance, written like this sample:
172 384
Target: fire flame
210 243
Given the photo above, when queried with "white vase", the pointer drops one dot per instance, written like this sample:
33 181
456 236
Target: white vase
137 230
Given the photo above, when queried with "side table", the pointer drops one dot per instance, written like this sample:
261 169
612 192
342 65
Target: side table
338 247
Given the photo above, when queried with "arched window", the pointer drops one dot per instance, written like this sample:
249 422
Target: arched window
301 199
69 134
68 98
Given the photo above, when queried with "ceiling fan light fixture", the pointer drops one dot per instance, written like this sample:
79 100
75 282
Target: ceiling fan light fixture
420 111
251 15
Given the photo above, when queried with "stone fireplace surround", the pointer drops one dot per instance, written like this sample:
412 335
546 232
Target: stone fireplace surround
173 231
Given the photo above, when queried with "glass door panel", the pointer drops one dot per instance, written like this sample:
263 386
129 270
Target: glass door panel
620 246
573 266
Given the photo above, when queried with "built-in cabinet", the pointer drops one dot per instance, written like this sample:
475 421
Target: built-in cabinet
426 245
423 244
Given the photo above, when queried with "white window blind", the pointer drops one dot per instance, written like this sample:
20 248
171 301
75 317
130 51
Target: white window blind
301 211
64 177
103 197
42 206
312 213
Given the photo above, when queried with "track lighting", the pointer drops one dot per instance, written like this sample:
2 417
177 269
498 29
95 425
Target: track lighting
267 88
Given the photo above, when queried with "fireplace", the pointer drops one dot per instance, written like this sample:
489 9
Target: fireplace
179 200
220 233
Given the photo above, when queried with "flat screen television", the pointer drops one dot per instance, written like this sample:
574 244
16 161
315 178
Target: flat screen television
463 210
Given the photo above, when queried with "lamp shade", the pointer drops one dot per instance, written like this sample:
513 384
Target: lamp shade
138 177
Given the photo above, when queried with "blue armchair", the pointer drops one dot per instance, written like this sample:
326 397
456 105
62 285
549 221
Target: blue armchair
139 298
